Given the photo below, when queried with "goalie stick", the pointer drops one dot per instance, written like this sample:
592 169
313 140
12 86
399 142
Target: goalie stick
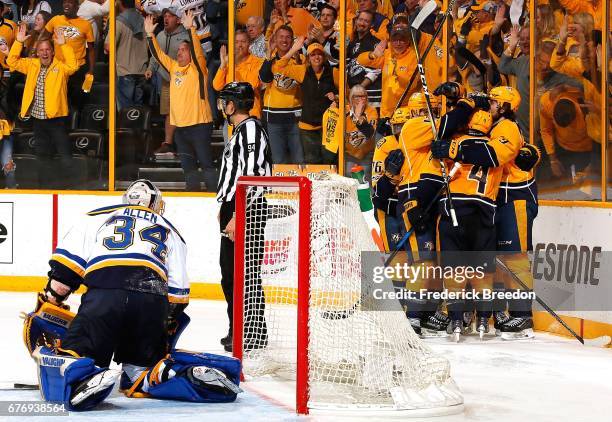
596 342
427 49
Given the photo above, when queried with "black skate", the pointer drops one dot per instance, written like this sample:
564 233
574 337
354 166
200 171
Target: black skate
415 323
431 327
499 318
517 329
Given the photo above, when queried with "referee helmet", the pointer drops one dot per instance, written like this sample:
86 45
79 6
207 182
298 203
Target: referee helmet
240 93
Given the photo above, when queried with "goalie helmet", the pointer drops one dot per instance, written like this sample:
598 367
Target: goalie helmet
481 121
144 193
506 94
240 93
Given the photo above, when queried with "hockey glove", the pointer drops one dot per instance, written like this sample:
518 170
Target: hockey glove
446 148
451 90
528 157
481 100
415 216
394 163
383 127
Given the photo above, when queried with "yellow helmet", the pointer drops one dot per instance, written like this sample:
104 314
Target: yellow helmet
506 94
417 102
481 121
400 116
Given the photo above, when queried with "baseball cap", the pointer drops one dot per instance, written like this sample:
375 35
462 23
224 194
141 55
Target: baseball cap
171 9
314 46
487 6
401 32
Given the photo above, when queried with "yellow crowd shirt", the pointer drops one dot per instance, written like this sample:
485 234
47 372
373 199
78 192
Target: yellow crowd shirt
188 85
77 31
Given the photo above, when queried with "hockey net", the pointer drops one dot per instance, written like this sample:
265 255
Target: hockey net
297 307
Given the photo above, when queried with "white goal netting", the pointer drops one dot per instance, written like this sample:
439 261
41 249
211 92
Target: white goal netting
357 358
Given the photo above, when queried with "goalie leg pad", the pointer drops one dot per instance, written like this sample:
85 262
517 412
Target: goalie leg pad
60 375
195 377
43 326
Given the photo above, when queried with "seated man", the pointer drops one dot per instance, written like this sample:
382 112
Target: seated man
137 291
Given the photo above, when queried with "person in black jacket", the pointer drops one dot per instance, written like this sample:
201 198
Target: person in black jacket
319 83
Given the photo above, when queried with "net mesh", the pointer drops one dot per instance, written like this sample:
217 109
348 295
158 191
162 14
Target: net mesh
361 358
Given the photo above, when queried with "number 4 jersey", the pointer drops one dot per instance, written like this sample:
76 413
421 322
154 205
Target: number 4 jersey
124 246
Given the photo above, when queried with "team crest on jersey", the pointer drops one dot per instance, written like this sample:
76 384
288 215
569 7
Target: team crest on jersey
395 237
439 51
70 31
178 80
428 246
284 83
240 5
356 138
380 143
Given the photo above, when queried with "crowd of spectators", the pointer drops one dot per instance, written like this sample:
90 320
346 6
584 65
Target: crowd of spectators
289 52
48 51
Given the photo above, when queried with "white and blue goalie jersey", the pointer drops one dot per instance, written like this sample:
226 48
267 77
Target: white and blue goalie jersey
124 246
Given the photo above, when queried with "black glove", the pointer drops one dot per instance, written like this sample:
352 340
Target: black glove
383 127
466 27
441 149
415 216
528 157
394 163
481 100
451 90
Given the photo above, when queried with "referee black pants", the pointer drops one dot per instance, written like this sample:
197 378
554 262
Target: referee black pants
255 328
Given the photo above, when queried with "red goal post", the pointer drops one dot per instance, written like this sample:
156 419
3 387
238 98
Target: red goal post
304 192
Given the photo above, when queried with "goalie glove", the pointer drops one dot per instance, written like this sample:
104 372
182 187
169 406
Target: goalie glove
528 157
46 324
393 165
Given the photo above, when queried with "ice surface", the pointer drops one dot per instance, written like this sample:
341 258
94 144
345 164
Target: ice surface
545 379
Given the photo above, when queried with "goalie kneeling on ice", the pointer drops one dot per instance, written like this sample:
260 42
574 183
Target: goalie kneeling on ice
184 376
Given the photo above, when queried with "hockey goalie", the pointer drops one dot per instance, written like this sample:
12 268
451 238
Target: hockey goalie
132 261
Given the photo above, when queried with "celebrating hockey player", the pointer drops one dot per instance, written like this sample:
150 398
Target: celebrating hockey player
517 207
132 261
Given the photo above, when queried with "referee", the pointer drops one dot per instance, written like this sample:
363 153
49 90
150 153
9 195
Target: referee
247 153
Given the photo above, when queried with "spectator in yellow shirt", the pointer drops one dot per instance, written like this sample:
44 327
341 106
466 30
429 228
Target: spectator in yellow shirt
246 69
189 108
80 37
45 102
295 17
397 64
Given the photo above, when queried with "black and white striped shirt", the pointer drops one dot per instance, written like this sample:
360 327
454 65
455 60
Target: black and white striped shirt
247 153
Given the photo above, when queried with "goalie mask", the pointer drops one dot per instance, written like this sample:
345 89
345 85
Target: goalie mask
144 193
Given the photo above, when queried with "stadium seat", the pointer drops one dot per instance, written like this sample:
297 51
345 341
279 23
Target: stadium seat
133 132
99 94
101 72
26 172
88 160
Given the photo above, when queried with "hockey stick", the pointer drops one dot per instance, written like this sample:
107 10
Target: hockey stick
474 61
404 239
427 49
18 386
540 301
346 313
433 125
602 341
